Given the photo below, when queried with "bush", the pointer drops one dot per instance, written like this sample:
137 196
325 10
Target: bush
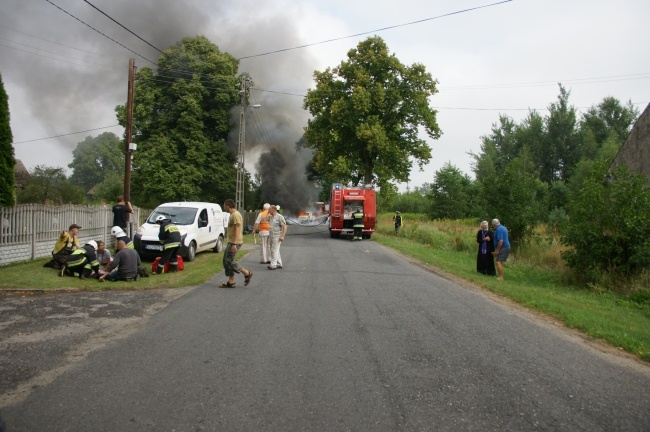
609 224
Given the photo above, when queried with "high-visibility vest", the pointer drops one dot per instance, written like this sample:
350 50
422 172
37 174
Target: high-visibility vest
264 221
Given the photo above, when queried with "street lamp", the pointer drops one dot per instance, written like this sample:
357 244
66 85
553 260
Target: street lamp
239 194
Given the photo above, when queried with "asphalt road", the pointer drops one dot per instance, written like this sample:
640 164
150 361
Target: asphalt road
348 336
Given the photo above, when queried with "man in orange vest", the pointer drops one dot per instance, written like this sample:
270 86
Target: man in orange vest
262 227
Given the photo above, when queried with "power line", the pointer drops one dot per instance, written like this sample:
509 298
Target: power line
110 18
107 37
375 31
48 57
71 133
48 40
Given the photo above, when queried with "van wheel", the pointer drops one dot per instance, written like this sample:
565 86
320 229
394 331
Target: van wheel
191 251
219 246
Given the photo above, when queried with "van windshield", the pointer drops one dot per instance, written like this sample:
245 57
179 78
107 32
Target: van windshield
178 215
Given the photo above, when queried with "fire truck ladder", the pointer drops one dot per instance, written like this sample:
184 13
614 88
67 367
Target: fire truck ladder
337 204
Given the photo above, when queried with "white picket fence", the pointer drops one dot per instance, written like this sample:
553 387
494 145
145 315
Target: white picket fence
29 231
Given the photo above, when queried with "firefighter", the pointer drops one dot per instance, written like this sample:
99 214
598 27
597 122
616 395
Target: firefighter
121 235
358 224
82 261
170 237
398 221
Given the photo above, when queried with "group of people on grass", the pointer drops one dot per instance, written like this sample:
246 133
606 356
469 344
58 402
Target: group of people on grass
94 260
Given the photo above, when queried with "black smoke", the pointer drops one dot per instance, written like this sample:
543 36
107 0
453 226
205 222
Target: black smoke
78 94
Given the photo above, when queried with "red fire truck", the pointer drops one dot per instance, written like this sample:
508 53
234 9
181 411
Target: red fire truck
344 201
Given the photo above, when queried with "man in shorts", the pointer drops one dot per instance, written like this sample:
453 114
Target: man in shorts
501 246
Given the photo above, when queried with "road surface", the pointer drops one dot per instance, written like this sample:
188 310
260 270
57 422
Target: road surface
348 336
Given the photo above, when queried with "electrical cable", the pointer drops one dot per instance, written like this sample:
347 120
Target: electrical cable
71 133
375 31
103 34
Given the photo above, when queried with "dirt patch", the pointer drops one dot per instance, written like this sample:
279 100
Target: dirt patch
43 334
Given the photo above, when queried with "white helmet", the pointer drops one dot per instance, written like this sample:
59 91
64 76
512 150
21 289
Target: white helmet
93 243
117 231
161 218
277 207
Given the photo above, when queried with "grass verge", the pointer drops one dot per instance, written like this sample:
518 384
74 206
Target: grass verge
32 275
605 316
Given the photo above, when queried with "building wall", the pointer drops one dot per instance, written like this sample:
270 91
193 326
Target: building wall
635 153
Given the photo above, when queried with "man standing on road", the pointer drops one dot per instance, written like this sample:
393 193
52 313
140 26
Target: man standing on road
501 246
235 241
121 212
126 261
278 229
262 227
357 224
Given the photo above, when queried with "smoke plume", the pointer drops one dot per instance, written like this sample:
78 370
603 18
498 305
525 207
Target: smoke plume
80 91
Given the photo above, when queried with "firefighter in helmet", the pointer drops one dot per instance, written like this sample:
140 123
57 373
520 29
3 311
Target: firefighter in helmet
82 261
398 221
119 234
357 217
170 237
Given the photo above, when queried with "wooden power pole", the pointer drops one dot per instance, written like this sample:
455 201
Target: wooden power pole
129 124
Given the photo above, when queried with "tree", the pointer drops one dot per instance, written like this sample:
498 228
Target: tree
366 114
562 137
49 185
609 223
452 194
181 123
517 198
609 117
95 160
7 160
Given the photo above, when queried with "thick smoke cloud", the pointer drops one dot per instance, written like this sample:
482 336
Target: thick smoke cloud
79 93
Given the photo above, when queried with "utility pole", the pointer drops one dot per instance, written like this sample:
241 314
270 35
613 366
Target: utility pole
239 194
129 124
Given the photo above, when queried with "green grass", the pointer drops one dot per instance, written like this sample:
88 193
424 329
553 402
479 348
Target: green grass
616 319
32 275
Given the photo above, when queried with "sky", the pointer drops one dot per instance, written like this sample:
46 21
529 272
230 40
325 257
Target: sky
63 77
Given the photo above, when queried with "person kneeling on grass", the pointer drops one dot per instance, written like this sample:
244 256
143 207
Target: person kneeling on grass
126 261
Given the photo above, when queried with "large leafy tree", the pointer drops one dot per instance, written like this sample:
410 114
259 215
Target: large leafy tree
453 194
181 122
7 160
96 160
49 185
366 117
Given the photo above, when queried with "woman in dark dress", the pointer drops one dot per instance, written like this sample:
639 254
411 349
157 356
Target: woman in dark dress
484 259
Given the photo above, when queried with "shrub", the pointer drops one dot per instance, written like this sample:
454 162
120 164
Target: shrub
609 224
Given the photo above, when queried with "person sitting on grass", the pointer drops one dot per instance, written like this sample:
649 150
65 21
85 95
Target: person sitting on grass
126 261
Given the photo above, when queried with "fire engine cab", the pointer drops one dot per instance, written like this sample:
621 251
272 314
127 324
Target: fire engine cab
344 201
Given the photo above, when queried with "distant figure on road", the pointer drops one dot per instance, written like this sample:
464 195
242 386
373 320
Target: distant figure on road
278 229
235 241
501 246
484 258
357 224
262 227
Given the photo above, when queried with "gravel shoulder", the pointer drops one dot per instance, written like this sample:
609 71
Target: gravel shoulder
44 334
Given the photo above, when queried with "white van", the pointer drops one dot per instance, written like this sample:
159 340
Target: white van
200 225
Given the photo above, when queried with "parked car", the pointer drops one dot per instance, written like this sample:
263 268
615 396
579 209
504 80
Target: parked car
200 224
